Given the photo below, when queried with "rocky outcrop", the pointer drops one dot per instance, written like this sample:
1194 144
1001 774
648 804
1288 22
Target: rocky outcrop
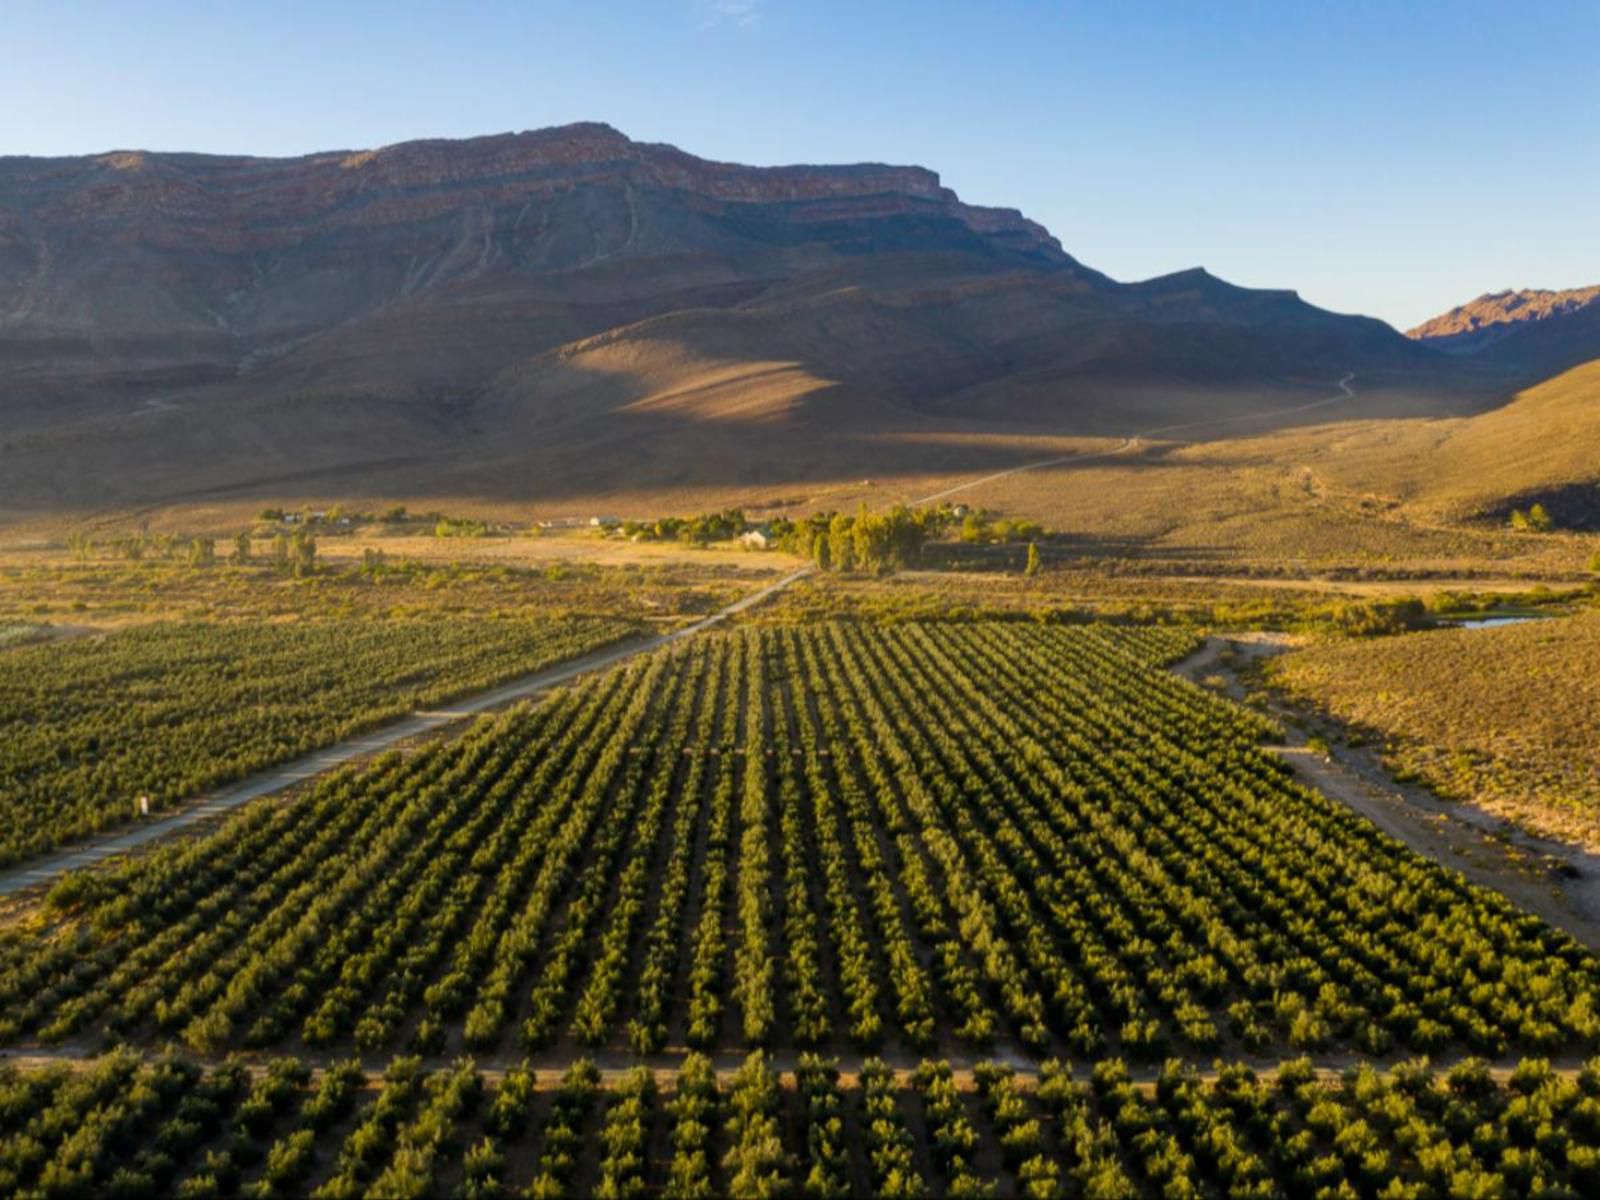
1494 315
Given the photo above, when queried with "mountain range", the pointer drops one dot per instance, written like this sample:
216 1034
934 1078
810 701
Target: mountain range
553 316
1535 331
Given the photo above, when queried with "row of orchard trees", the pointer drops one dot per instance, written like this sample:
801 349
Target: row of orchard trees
121 1126
295 553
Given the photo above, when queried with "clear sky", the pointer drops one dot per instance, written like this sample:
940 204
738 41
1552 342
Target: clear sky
1379 156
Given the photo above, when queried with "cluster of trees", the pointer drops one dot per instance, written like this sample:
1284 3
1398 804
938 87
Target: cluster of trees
135 547
864 541
293 553
1535 520
981 527
1373 618
867 542
396 514
337 514
699 530
460 527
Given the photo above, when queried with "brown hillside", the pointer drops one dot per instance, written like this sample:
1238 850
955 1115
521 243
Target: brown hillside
1525 336
537 317
1495 315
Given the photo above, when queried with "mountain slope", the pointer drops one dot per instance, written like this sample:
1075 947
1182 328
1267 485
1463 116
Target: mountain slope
1526 335
1542 445
1496 315
521 316
184 266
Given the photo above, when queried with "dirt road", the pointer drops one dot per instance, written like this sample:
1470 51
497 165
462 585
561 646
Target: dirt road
84 854
1460 836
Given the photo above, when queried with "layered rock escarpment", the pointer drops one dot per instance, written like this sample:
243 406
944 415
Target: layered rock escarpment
132 265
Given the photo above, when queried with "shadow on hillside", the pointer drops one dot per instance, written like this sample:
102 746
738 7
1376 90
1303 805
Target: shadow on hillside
563 457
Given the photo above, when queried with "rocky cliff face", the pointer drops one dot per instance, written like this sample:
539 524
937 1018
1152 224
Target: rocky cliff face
245 205
134 268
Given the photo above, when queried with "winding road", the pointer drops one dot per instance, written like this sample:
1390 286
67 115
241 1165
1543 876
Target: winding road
97 849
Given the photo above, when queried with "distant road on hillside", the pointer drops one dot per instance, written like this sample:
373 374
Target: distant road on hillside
1346 392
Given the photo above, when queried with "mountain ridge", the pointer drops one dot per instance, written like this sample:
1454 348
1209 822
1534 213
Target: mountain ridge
114 184
1494 315
173 323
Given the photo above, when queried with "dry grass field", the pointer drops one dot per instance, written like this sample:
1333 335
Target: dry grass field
1337 488
469 577
1149 593
1507 717
1425 492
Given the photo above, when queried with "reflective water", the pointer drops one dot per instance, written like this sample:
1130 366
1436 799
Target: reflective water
1492 622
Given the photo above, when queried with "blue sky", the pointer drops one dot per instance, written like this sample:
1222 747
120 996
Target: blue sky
1390 158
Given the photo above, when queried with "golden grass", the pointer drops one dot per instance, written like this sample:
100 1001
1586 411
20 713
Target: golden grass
1506 717
648 426
50 588
1387 493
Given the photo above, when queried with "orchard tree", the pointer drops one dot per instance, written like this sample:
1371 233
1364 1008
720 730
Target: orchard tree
303 554
841 543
